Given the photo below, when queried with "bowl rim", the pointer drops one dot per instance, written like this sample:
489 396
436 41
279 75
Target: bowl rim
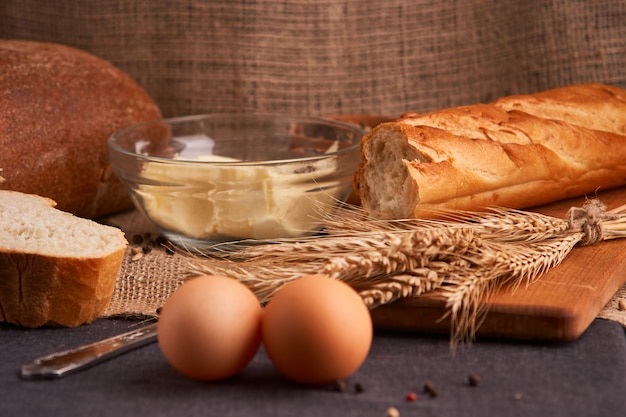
115 147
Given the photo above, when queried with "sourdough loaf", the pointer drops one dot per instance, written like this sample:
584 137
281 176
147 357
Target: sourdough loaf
55 268
517 152
58 106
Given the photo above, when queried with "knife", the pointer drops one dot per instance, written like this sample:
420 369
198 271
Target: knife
70 361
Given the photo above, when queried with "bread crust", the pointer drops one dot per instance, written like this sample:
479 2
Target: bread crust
58 106
40 286
517 152
39 290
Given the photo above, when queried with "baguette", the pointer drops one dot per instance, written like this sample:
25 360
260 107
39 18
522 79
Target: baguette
58 106
55 268
517 152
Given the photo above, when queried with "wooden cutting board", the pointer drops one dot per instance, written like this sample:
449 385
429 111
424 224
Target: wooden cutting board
559 306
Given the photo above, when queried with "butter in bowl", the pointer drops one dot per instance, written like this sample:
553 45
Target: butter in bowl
214 178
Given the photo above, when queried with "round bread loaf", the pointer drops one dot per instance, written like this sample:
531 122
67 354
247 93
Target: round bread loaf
58 106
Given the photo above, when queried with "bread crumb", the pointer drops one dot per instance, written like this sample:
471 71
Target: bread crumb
621 304
393 412
136 253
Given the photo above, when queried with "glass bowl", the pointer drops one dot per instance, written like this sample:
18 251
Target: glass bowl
218 177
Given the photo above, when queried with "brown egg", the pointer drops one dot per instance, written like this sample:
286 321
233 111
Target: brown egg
210 327
317 330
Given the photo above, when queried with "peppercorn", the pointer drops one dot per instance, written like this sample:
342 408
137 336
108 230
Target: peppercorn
429 388
340 386
473 380
137 239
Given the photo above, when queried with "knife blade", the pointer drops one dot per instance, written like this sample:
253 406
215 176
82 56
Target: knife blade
70 361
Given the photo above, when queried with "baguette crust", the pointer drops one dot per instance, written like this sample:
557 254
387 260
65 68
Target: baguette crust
65 276
518 152
58 106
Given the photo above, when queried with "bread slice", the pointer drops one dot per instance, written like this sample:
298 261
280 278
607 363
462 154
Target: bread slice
55 268
518 152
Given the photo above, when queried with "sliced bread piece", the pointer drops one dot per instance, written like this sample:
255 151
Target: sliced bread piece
55 268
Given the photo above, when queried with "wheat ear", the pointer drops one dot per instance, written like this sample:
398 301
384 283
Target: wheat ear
466 256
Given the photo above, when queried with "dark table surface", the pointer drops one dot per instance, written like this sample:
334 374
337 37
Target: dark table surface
586 377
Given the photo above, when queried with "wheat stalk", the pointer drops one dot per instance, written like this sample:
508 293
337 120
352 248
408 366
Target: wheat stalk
465 256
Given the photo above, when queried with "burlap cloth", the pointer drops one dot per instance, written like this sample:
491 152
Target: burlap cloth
335 56
321 57
149 272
